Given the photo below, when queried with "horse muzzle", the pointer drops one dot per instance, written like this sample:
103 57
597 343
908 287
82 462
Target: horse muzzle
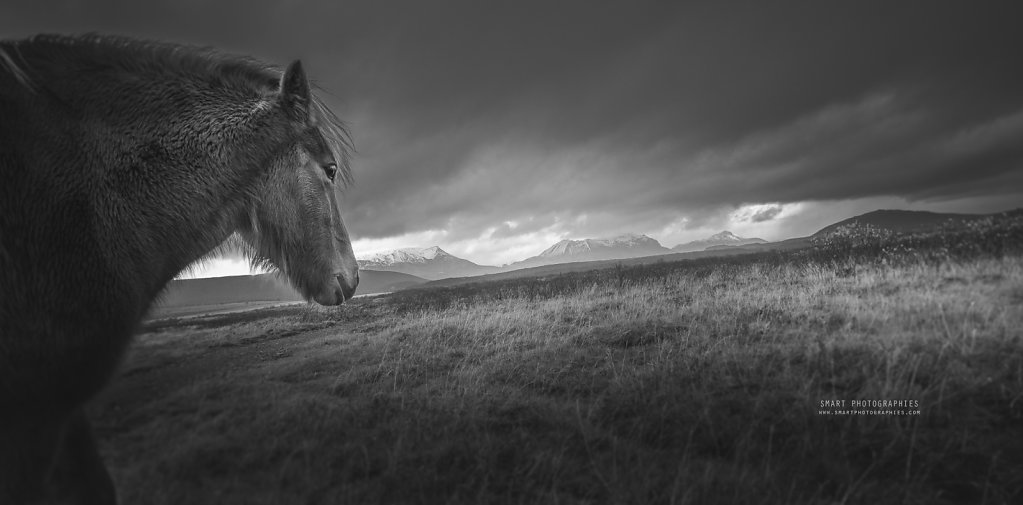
348 285
340 290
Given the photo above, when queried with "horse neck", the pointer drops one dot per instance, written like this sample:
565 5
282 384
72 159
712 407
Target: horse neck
178 164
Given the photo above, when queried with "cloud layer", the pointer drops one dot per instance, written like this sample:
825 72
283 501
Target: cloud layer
530 121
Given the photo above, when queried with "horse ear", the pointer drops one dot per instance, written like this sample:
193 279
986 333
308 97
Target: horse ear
294 93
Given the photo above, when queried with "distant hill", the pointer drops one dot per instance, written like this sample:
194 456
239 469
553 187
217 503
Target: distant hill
902 221
581 266
725 238
620 247
428 263
267 288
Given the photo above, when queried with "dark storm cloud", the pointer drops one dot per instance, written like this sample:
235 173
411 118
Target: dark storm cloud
590 116
766 214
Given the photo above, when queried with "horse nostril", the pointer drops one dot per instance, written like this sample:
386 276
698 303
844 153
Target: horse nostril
348 290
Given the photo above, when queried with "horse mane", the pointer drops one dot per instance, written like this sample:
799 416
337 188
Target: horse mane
44 55
8 65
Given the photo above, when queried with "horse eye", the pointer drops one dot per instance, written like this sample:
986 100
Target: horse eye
331 170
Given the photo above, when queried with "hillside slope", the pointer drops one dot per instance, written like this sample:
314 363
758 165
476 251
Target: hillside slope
902 221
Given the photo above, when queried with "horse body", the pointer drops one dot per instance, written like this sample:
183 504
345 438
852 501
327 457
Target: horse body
121 163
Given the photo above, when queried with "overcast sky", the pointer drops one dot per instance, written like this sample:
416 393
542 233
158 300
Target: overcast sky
495 129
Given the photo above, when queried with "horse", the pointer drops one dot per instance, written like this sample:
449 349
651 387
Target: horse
122 162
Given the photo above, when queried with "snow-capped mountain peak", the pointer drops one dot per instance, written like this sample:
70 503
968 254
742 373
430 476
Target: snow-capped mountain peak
574 247
406 255
426 262
723 238
624 240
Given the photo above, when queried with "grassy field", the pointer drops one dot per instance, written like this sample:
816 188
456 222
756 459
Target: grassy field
690 382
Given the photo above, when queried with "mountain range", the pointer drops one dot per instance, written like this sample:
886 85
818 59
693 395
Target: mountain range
725 238
434 263
569 251
428 263
405 268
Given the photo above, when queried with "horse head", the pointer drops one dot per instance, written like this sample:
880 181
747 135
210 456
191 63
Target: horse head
294 223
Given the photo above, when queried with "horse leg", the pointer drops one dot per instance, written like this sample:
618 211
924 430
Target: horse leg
28 448
45 460
79 473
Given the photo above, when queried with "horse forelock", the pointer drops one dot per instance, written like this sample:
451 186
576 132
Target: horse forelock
338 138
8 65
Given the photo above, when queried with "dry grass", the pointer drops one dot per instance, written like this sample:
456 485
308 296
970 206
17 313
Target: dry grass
687 383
